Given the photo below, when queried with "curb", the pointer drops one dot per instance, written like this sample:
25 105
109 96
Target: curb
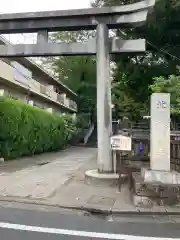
89 209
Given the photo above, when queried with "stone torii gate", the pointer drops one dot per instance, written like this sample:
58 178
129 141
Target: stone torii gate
101 19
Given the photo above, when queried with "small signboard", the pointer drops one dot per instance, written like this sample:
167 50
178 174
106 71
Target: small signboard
121 143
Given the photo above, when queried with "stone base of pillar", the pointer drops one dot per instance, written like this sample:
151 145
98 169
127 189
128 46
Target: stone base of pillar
152 188
102 179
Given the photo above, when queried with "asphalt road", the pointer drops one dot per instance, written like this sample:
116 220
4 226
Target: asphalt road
20 224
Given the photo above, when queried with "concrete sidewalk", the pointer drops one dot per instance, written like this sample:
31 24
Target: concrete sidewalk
105 199
45 174
78 194
61 183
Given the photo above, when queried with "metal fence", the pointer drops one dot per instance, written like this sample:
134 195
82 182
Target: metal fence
141 148
175 152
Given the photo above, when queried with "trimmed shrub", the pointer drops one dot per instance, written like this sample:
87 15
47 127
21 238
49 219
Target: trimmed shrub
26 130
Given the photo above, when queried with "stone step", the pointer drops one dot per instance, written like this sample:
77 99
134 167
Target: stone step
153 193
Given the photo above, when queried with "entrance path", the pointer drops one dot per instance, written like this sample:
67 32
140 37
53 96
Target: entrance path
39 177
57 179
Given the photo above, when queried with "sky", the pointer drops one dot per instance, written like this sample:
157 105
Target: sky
13 6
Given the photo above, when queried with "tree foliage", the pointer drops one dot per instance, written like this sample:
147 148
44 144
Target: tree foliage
77 72
169 85
134 75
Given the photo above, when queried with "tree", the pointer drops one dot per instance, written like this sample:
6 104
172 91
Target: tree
77 72
169 85
134 75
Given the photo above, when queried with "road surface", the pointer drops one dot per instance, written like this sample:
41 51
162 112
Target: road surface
20 224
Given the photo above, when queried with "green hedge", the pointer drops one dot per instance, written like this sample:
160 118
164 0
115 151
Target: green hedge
27 130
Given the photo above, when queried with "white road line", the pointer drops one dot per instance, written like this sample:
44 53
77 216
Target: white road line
76 233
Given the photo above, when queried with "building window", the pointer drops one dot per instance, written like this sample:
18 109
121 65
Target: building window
39 105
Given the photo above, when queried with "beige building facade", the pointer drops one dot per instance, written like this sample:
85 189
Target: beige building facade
23 79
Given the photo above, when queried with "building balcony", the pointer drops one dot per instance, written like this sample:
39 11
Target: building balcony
12 74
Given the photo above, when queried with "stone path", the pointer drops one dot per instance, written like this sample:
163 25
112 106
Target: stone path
45 176
77 194
57 179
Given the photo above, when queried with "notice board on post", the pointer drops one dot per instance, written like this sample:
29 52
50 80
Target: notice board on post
121 143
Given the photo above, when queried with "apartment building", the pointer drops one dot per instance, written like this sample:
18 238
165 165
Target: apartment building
23 79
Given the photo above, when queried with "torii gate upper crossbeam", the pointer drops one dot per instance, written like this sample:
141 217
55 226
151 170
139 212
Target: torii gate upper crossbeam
75 19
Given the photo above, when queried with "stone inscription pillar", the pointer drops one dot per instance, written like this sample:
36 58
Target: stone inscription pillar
160 132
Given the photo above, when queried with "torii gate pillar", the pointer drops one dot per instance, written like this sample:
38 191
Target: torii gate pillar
104 111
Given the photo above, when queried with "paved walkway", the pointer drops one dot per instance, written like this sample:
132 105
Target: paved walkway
39 177
106 199
57 179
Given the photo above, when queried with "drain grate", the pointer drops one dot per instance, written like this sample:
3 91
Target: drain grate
101 200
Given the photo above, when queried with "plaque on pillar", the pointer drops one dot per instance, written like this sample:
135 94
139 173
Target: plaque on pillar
160 132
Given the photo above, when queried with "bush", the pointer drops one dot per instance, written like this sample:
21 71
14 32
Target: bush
27 130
